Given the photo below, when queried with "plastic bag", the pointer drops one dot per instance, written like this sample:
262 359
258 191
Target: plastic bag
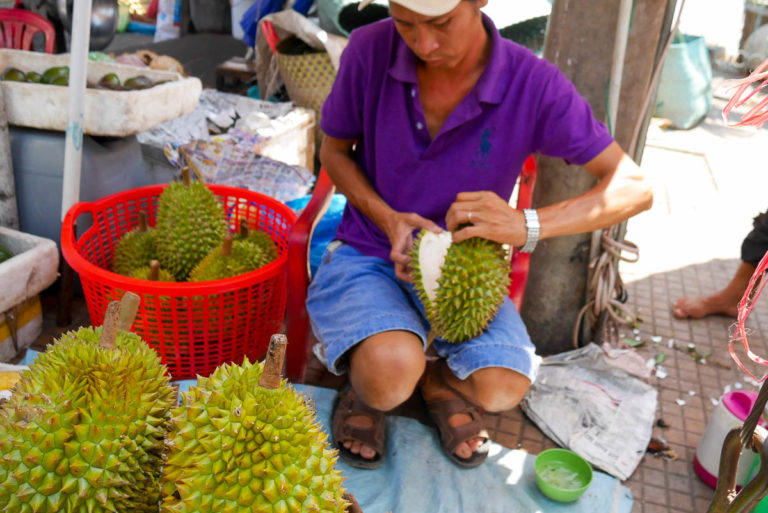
168 20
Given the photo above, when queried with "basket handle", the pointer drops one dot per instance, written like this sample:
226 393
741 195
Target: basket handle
68 230
270 35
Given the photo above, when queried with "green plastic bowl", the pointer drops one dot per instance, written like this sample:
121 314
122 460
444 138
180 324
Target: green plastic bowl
562 475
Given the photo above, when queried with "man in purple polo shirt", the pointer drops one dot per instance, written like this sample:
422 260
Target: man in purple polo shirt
427 126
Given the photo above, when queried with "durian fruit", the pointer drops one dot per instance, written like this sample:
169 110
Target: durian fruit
244 441
461 285
258 238
135 249
84 428
190 224
230 259
152 272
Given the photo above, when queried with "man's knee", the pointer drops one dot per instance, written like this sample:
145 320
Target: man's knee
498 389
385 368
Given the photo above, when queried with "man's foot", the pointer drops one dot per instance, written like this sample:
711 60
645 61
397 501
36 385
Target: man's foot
359 431
463 419
698 307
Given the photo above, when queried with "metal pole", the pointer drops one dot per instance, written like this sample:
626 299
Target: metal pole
73 141
614 93
73 144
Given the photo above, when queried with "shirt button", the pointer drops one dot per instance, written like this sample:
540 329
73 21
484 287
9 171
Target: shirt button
413 93
419 125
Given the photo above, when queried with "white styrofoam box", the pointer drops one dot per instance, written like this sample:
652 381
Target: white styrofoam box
33 267
107 112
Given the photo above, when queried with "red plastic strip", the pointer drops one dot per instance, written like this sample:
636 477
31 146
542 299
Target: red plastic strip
747 303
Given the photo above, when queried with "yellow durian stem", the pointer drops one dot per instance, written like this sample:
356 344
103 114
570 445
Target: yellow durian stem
273 362
431 337
226 245
185 175
154 270
129 305
142 222
109 328
244 228
354 507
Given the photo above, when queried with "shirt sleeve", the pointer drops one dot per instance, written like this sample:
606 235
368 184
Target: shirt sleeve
566 127
342 113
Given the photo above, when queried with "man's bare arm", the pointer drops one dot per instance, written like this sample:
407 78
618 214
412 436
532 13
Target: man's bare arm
621 192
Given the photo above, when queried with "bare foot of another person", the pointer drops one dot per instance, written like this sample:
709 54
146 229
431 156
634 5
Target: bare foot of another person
698 307
722 302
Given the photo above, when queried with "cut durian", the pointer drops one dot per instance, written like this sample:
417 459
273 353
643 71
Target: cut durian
461 285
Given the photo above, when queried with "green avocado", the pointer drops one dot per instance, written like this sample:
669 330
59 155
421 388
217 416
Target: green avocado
138 82
62 80
51 74
109 81
14 75
34 77
5 254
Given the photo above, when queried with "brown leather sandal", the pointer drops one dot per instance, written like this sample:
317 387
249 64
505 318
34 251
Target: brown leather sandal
452 436
345 406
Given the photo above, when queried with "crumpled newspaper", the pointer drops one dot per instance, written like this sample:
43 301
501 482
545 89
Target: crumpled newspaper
589 406
233 162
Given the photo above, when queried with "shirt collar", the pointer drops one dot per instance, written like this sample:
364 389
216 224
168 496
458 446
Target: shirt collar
490 85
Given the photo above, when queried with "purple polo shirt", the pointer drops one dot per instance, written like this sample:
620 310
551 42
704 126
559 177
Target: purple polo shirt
520 105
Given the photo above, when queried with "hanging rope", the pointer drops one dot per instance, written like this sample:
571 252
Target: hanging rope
606 287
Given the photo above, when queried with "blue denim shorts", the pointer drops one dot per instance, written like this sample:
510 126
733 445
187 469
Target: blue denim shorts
354 296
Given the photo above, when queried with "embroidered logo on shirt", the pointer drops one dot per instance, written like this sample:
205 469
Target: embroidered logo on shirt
483 152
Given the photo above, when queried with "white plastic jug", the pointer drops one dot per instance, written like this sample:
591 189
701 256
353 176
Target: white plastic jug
730 412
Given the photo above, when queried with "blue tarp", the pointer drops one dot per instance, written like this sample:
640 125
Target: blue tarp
417 478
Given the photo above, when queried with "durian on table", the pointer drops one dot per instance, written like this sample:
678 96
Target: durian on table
84 429
461 285
244 441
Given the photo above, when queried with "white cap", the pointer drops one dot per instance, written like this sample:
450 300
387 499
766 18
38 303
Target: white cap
425 7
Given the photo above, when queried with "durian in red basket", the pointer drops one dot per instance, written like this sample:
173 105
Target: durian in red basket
190 224
135 249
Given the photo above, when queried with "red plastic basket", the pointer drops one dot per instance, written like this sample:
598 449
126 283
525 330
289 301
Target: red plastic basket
194 327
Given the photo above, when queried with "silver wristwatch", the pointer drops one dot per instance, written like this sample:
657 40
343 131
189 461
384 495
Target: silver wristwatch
533 226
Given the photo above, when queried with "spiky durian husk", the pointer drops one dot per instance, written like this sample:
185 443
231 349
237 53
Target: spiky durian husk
135 249
143 273
190 224
237 447
263 241
84 429
473 283
244 257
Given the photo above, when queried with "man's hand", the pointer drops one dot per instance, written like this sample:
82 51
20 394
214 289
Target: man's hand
400 230
488 216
